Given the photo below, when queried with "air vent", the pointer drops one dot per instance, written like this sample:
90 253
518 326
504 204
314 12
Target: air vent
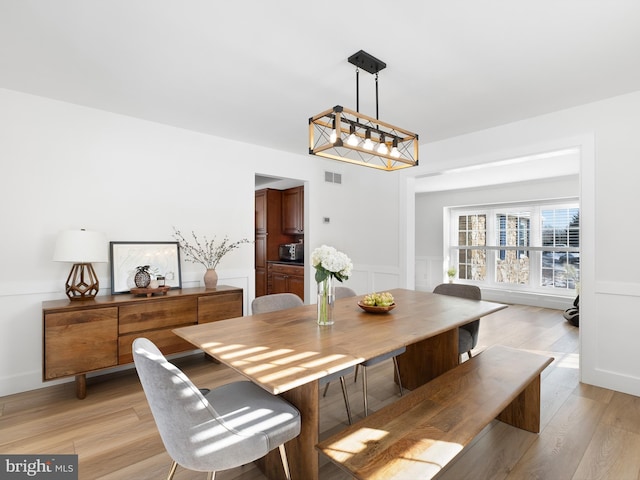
332 177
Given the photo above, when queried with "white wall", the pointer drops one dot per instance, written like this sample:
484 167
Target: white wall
66 166
607 134
429 217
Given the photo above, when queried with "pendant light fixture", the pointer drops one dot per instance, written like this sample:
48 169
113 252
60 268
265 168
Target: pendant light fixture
350 136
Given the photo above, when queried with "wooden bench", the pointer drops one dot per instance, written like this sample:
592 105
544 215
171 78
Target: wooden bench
420 433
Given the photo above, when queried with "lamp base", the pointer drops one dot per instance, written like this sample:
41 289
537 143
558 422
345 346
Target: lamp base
82 283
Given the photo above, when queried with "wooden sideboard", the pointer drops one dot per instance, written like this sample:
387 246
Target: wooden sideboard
89 335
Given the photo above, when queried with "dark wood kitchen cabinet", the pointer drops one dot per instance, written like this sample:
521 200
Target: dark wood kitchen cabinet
286 278
268 233
293 211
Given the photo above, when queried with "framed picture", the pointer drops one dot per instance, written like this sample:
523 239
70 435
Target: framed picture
163 259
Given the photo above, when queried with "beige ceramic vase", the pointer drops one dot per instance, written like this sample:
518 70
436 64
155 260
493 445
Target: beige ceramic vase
210 278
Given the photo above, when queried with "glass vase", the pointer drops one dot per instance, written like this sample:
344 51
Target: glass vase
326 299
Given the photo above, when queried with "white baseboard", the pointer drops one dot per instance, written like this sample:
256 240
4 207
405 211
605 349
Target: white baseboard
528 298
518 298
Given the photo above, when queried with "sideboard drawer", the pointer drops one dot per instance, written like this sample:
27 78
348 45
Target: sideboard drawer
160 314
220 307
166 340
79 342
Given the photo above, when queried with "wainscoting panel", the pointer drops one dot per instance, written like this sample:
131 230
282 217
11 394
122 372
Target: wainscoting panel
429 272
373 278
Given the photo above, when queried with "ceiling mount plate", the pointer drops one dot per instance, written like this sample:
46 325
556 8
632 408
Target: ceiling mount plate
367 62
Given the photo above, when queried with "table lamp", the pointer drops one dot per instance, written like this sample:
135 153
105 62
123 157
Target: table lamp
81 247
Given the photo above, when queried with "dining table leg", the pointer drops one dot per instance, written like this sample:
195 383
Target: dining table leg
301 451
428 358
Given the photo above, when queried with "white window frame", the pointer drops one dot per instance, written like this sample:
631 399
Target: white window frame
535 209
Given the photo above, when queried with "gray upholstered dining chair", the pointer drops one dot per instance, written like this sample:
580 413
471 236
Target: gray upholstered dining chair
467 334
282 301
374 361
345 292
339 375
230 426
275 302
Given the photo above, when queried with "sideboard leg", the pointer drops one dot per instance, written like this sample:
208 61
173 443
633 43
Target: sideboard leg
81 386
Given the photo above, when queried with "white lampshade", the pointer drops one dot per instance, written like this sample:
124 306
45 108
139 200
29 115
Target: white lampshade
81 246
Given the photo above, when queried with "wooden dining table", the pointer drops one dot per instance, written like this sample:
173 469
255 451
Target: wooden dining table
287 352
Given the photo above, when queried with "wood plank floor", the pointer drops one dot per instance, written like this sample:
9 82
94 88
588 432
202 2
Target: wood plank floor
587 432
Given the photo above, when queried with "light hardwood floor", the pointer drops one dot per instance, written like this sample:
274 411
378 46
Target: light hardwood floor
587 432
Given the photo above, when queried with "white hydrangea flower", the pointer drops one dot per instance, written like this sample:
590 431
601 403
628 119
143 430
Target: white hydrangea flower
329 262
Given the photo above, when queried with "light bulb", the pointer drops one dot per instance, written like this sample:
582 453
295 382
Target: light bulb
382 148
334 133
368 144
353 138
395 153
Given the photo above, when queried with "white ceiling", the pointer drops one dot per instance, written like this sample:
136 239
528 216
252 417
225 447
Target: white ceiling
256 70
560 163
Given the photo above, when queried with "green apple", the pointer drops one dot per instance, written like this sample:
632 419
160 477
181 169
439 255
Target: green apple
378 299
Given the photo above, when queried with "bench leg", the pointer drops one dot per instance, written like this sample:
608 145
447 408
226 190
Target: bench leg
524 411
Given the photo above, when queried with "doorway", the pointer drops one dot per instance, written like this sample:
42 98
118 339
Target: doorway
279 236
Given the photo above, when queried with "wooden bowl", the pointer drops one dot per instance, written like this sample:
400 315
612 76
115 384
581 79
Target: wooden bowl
376 309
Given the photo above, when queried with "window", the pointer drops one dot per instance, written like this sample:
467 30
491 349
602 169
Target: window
530 247
560 229
512 266
472 262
